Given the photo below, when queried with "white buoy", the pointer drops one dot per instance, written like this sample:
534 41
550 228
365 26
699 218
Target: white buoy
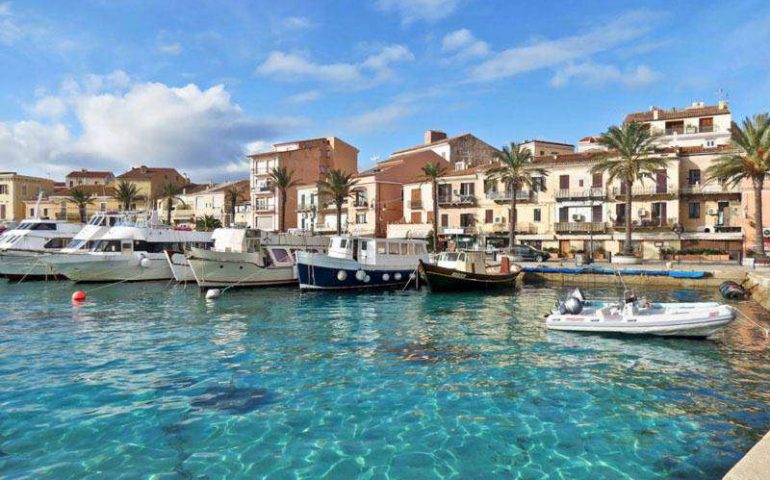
360 275
397 276
385 277
367 279
213 293
342 275
145 263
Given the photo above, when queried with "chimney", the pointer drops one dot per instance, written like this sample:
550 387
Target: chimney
655 113
722 105
432 136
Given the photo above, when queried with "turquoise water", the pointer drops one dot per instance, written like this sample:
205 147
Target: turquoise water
152 381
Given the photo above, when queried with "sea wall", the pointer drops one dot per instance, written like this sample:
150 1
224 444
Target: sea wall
755 465
714 278
759 286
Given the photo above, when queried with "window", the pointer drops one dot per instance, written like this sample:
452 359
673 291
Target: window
281 255
466 189
538 184
537 215
444 220
693 177
693 210
489 216
393 249
360 218
467 220
580 182
343 243
381 248
3 189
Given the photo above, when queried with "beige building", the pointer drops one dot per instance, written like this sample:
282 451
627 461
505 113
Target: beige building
698 125
149 182
58 206
318 214
197 201
88 177
308 161
545 147
15 189
461 151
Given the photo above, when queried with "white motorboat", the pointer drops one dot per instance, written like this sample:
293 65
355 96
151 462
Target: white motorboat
130 252
23 247
639 316
248 258
361 262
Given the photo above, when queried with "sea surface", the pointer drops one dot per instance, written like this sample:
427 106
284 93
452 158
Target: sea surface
152 381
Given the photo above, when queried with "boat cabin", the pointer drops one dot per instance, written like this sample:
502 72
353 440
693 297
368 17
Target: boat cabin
467 261
378 251
36 234
127 239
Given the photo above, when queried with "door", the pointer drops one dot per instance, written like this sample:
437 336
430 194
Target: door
596 213
722 213
563 214
415 201
416 217
661 181
564 247
620 214
355 249
563 182
596 180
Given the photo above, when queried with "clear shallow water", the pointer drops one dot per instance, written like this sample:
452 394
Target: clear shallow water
147 380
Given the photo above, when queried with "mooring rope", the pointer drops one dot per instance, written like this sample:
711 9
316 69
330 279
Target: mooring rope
764 329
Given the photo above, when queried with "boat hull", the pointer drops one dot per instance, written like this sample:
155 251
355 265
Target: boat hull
117 268
441 279
321 272
27 266
235 270
180 267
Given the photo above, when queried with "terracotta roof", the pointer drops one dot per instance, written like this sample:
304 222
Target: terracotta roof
675 114
590 139
391 162
437 142
89 174
148 172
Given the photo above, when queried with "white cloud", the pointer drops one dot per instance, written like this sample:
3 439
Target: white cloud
26 31
550 53
413 10
598 75
462 45
296 23
305 97
200 132
49 106
381 118
170 49
374 68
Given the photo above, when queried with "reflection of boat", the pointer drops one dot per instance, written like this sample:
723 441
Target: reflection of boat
23 247
361 262
466 271
637 316
246 257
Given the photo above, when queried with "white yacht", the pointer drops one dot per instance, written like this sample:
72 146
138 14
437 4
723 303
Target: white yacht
361 262
131 251
246 257
23 247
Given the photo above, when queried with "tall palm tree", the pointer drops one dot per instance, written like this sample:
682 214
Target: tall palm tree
283 180
170 193
516 169
232 197
338 186
630 157
207 223
431 172
126 193
751 162
82 199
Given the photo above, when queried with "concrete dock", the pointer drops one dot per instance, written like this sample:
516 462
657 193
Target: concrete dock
755 465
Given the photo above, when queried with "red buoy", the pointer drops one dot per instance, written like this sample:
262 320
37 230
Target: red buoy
79 296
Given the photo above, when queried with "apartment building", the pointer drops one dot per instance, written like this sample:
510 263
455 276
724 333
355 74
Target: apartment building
15 189
58 206
308 161
698 125
197 201
316 213
88 177
149 182
547 147
461 151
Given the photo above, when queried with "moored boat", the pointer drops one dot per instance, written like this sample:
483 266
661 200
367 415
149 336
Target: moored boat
466 271
640 317
361 262
248 258
23 248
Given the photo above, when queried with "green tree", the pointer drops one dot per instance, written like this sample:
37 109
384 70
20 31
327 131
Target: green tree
516 169
283 180
338 186
232 197
207 223
81 199
751 161
630 157
170 193
432 172
126 193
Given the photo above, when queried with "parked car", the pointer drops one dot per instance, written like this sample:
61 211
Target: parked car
528 253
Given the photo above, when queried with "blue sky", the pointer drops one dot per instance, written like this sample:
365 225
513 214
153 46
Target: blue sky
197 84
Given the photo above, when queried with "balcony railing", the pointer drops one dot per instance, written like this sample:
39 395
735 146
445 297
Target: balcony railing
507 196
360 204
639 191
414 204
456 200
648 224
264 207
711 189
466 230
589 193
686 130
580 227
306 207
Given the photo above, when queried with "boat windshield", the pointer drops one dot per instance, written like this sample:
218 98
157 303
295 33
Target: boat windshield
107 246
36 226
78 244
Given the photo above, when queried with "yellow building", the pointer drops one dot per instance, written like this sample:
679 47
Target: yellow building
58 206
149 182
15 190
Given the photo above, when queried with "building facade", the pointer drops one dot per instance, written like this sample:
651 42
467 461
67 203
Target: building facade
461 151
308 161
198 201
15 189
88 177
149 182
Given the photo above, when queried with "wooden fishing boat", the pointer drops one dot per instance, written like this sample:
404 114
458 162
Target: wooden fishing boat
466 271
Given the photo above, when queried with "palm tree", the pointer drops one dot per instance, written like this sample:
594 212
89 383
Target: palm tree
232 196
126 193
207 223
516 170
431 172
170 193
629 158
750 162
283 180
81 198
337 185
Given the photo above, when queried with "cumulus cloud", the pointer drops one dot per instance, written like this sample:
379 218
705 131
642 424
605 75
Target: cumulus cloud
598 75
374 68
413 10
304 97
552 53
462 45
199 131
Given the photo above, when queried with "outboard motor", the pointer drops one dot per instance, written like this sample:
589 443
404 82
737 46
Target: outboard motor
577 293
733 291
573 305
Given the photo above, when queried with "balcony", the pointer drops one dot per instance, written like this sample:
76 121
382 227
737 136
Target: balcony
360 204
264 207
414 204
649 225
711 189
581 194
641 191
456 200
580 227
306 207
504 197
728 229
466 230
686 130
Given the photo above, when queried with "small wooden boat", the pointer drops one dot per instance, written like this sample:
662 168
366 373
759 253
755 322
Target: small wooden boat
465 271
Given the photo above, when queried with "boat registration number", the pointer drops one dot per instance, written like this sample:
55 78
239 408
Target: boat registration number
458 275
